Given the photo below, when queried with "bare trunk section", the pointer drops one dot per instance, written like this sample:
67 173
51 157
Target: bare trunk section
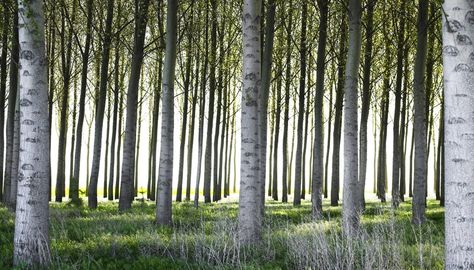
250 213
99 116
366 98
165 176
419 185
301 107
128 162
31 240
350 212
318 150
457 32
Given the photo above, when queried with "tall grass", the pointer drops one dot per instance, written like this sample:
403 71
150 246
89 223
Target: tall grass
206 238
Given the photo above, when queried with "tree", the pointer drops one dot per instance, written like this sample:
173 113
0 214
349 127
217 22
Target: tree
301 109
99 116
318 150
3 85
459 128
351 165
419 185
128 162
366 98
165 176
250 219
31 240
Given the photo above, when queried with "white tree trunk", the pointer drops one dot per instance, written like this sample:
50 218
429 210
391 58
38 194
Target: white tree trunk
458 34
351 161
31 240
250 218
165 176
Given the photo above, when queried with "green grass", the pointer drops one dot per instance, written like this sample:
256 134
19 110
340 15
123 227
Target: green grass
205 238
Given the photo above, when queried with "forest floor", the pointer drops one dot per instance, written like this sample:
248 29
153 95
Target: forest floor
205 238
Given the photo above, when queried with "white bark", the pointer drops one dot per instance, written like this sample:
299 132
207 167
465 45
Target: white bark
458 56
350 191
250 218
31 240
165 176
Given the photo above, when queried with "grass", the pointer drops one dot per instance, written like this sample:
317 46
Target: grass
205 238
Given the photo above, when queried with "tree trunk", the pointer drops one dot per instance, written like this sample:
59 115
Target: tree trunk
66 56
202 107
459 129
366 98
419 185
318 150
3 86
31 240
301 108
250 212
165 176
338 117
74 184
99 116
12 97
191 130
128 162
212 90
187 85
286 120
350 198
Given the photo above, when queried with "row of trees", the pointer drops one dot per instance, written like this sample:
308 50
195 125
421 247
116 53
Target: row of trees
207 67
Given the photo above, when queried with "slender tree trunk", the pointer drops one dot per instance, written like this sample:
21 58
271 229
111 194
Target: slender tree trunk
73 132
262 100
366 98
12 97
99 116
191 130
187 85
165 177
350 198
250 212
66 58
139 129
318 150
277 133
212 90
419 185
128 162
404 128
286 120
3 85
202 107
74 183
301 108
457 32
338 117
32 248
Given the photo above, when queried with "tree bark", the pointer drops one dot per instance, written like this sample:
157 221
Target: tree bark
366 98
286 120
99 116
318 150
350 198
128 162
419 185
31 239
250 214
301 107
338 116
165 176
457 32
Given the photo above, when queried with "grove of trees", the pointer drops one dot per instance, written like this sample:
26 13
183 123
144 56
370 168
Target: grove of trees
202 100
